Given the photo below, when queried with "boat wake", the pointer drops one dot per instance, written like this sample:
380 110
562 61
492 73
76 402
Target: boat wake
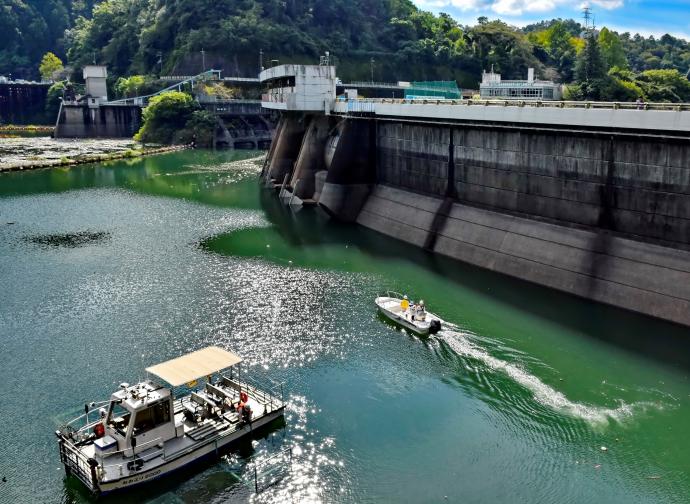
461 343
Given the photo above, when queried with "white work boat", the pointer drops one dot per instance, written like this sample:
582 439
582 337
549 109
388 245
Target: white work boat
144 432
390 306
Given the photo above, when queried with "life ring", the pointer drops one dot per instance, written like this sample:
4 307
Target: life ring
244 397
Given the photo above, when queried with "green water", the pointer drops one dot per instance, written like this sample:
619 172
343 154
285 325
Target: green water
107 269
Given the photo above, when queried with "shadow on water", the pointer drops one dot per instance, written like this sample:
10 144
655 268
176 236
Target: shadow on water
663 341
192 483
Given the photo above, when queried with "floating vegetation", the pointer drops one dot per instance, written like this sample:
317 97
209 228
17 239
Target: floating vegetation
70 240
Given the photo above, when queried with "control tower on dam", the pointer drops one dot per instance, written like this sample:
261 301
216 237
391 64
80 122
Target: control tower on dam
592 199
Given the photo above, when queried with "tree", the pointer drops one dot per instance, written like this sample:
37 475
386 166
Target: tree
612 51
130 86
503 47
55 93
200 126
590 73
166 114
664 85
50 64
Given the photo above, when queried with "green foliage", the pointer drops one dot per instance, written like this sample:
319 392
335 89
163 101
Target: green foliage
166 114
664 85
30 28
611 49
405 42
199 127
50 64
496 44
55 93
127 87
559 46
593 82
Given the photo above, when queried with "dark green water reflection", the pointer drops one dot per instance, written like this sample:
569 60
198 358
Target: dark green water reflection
511 403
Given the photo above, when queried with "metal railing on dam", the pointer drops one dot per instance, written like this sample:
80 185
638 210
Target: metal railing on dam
672 117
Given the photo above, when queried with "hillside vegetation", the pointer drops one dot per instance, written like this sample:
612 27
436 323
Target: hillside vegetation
154 36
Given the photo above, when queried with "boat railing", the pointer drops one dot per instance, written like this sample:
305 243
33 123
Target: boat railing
78 464
265 390
84 417
391 294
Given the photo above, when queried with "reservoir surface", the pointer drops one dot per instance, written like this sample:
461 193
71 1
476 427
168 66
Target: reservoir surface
526 395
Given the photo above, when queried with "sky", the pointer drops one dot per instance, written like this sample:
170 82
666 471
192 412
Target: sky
646 17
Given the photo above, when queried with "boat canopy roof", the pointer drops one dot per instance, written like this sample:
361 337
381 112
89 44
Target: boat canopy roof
194 365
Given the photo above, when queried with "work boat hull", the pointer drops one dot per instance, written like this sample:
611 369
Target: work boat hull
210 448
389 307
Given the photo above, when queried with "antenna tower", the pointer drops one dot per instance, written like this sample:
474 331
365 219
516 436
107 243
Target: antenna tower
587 15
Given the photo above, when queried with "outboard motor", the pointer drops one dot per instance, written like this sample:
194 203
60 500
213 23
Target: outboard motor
434 326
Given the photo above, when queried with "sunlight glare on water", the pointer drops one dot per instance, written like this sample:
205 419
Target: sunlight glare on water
110 268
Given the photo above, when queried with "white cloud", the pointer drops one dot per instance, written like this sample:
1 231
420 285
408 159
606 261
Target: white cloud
513 7
608 4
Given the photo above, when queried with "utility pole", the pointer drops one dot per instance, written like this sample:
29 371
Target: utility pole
160 63
371 62
261 60
203 60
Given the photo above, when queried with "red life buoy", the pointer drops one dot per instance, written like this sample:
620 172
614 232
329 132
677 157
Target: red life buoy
99 430
244 397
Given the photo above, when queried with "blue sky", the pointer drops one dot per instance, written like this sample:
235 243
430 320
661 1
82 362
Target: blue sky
646 17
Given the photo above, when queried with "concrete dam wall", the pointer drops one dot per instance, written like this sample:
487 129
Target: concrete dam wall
105 121
598 214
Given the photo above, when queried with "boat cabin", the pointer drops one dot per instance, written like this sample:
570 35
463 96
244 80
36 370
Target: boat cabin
141 412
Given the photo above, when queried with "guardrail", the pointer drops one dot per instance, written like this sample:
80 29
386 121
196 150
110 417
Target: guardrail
678 107
78 464
386 85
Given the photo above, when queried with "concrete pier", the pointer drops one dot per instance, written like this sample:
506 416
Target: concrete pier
598 212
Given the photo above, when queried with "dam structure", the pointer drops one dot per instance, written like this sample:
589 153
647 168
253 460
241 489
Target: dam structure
240 123
592 199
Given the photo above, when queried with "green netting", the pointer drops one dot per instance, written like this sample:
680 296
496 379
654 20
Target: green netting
435 89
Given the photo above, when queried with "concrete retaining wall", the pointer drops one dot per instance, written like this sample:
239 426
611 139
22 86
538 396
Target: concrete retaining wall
77 121
637 276
635 186
638 187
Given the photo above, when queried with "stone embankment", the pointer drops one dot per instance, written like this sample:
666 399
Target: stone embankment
91 158
9 128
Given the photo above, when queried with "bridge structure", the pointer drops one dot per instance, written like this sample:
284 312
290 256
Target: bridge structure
589 198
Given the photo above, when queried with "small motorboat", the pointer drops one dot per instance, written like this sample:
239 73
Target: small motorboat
413 317
146 431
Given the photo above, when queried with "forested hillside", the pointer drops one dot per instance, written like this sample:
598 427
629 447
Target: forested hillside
132 36
29 28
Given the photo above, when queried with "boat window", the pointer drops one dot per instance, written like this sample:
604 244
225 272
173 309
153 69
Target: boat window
118 418
151 417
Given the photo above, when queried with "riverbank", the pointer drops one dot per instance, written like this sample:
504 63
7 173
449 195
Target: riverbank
31 128
30 153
